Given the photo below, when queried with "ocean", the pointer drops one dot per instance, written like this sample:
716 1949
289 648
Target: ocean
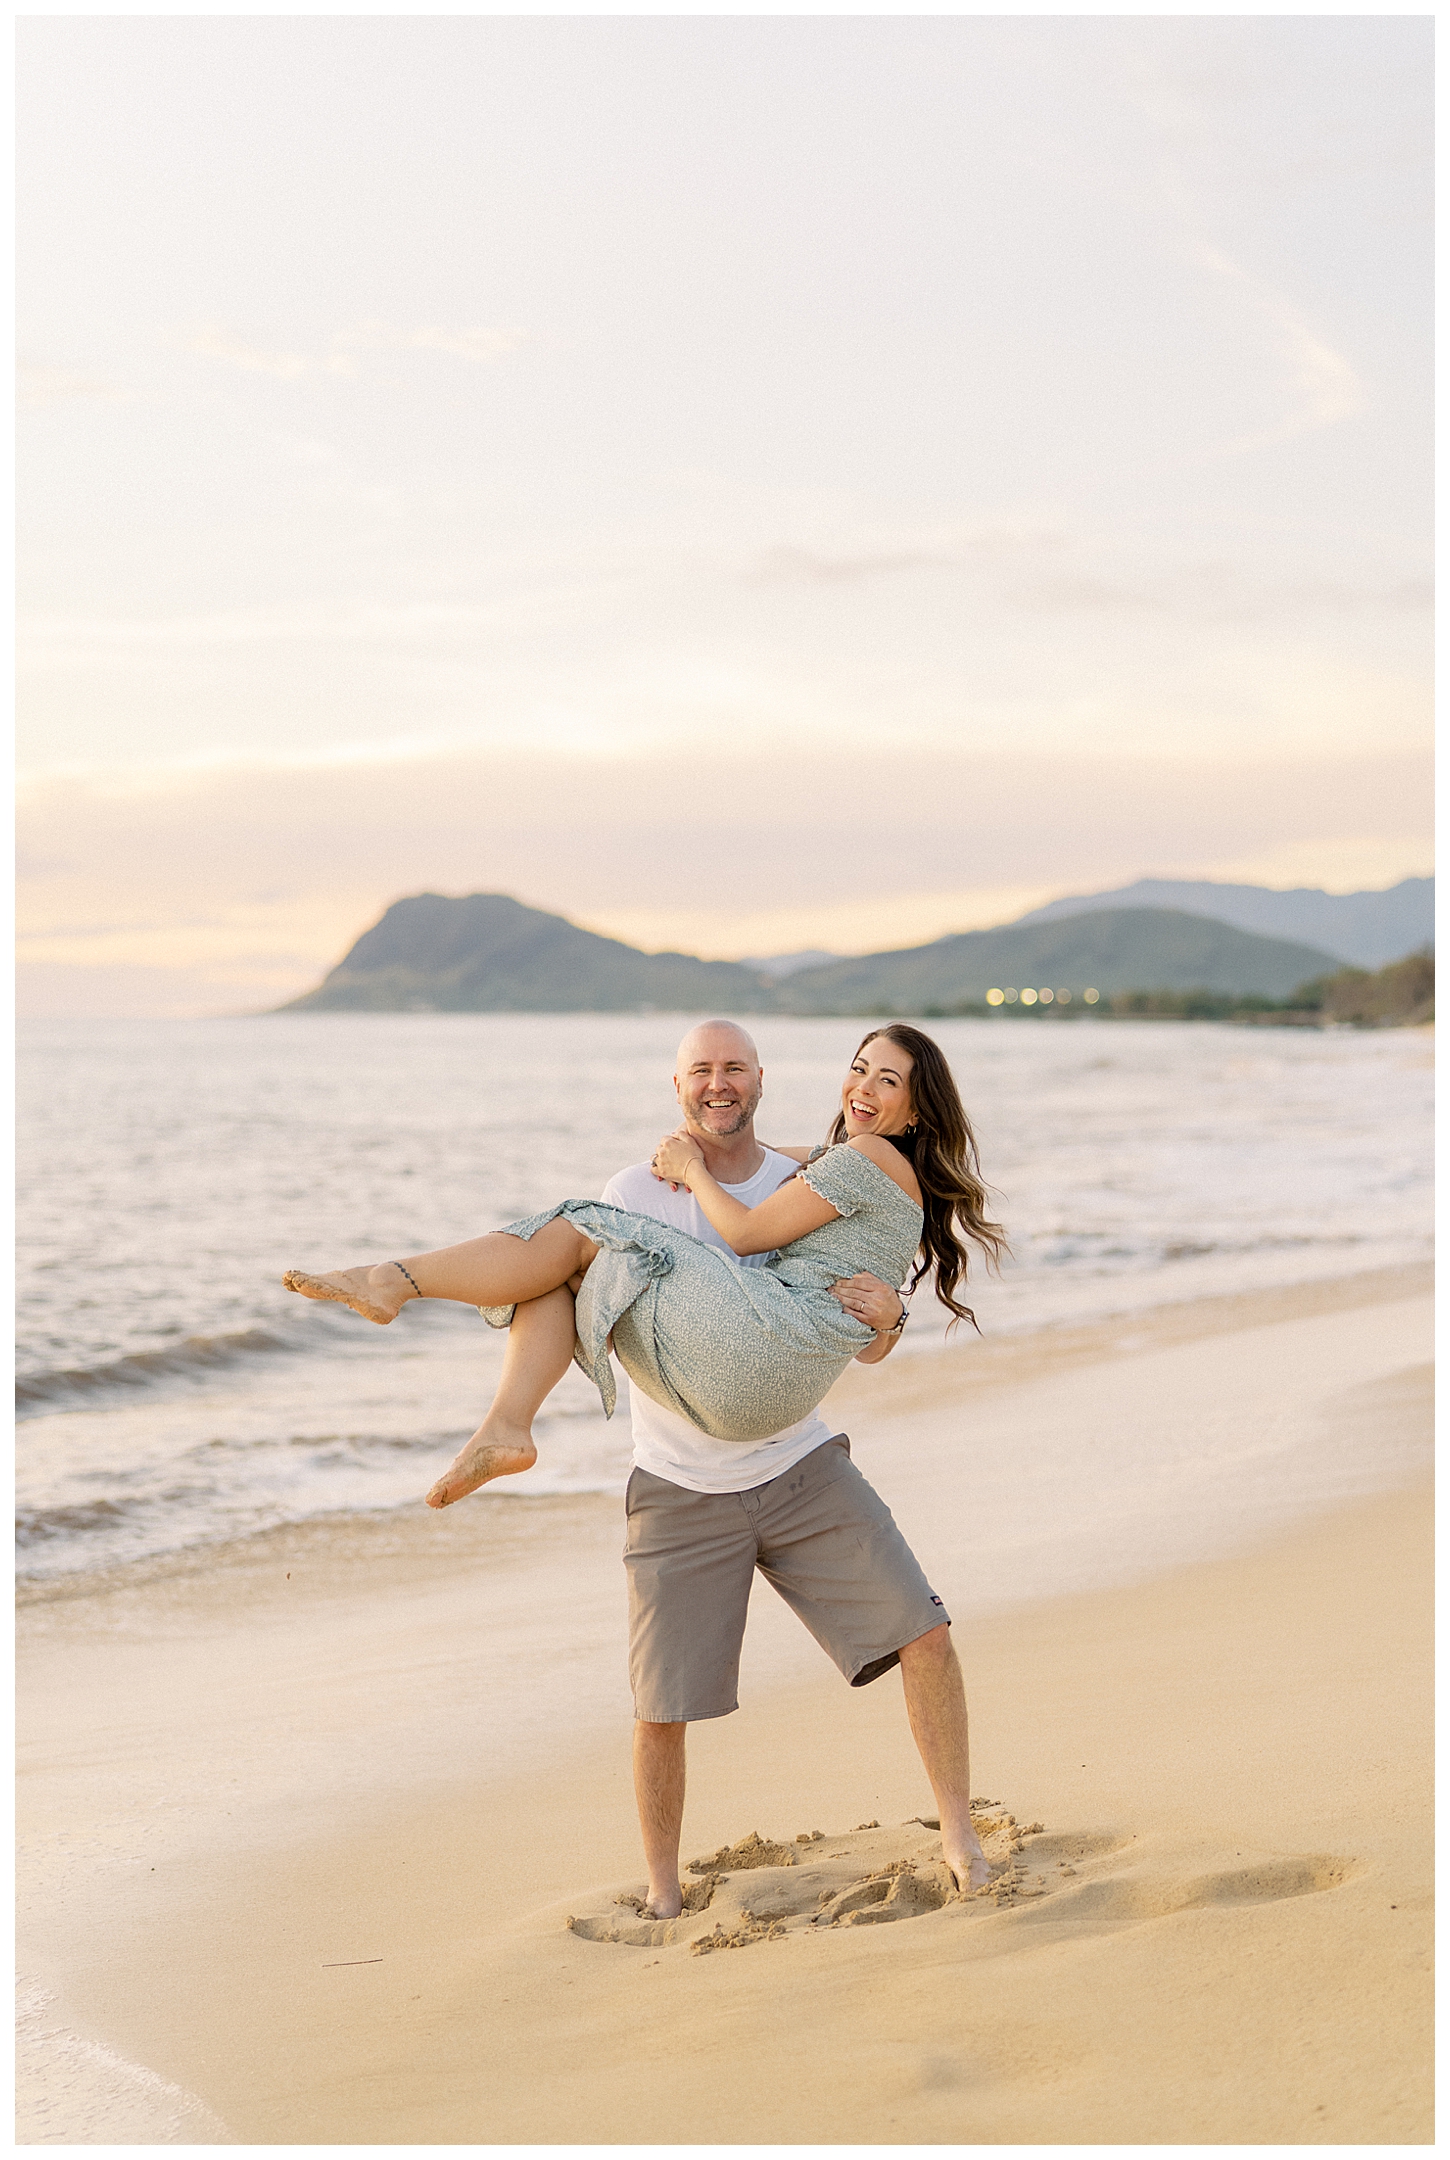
172 1395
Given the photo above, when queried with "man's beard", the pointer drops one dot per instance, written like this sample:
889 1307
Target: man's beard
746 1111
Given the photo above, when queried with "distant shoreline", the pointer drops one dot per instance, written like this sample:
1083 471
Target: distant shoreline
1287 1017
485 952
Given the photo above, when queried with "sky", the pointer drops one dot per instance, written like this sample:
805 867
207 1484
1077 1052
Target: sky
743 483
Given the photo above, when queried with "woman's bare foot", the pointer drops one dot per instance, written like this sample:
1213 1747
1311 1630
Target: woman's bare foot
378 1293
497 1449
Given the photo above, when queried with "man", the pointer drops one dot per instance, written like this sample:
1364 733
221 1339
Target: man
704 1514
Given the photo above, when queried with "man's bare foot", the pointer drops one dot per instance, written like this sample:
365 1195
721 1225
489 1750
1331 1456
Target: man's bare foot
378 1293
496 1450
664 1904
969 1867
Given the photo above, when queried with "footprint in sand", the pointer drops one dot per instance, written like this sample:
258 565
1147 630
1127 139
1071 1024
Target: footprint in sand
759 1890
1086 1881
1101 1905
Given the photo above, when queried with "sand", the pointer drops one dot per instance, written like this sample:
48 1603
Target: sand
330 1837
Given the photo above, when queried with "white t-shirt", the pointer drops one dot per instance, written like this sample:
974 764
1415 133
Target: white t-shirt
666 1444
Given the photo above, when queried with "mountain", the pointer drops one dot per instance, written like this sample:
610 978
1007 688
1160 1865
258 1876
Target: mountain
789 963
1117 949
1365 928
487 953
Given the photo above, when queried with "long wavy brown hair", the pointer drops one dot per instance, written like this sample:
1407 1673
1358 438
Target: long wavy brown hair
942 1149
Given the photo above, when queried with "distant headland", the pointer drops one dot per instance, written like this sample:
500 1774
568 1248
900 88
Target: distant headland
1122 954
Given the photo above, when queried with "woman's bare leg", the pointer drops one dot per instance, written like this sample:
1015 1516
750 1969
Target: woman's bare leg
498 1269
540 1347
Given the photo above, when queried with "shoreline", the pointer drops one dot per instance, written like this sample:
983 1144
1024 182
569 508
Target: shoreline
951 1372
300 1830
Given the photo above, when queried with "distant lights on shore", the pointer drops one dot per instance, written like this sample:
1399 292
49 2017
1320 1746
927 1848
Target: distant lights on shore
1038 997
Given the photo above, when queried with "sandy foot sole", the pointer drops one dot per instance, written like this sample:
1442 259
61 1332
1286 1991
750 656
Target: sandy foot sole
355 1288
491 1453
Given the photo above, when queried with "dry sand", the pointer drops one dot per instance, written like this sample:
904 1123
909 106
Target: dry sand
303 1827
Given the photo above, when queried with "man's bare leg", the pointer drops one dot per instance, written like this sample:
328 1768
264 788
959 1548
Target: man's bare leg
497 1269
936 1705
659 1791
540 1347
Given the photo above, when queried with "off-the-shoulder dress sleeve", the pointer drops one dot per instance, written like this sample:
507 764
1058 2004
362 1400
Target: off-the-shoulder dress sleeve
845 1177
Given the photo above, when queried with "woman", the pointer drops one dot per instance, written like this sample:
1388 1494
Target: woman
741 1352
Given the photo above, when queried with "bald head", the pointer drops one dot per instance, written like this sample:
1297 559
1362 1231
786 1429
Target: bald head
718 1079
715 1039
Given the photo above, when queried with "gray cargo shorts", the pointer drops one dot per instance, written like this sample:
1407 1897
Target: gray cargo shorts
819 1535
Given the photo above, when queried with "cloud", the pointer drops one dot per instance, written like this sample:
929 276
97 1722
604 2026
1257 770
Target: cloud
41 382
1220 592
1329 388
48 639
216 343
476 343
1050 573
862 562
1089 595
1325 387
811 566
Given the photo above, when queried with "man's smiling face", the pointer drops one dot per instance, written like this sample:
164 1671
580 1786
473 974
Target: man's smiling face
718 1079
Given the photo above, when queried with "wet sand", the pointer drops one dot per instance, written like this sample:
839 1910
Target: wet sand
303 1827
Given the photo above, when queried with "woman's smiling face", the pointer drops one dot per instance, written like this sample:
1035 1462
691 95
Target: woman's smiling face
876 1097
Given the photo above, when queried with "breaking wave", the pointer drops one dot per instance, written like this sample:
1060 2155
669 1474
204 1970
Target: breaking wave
36 1526
76 1384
